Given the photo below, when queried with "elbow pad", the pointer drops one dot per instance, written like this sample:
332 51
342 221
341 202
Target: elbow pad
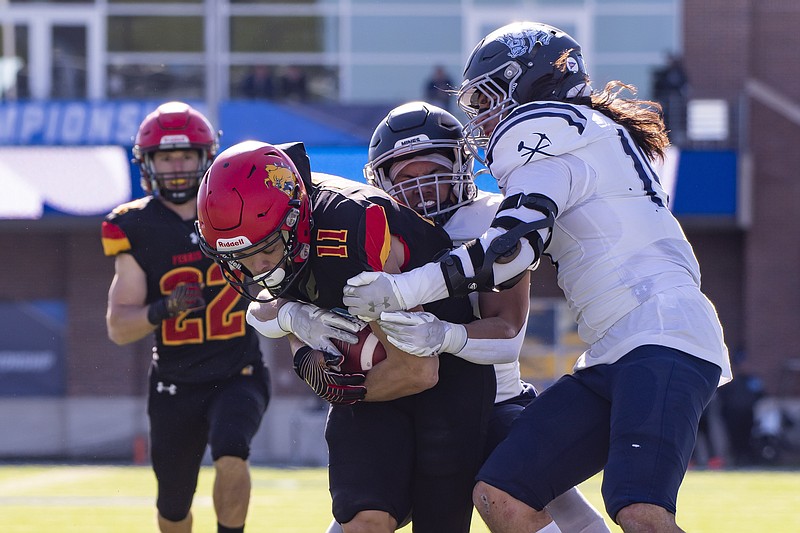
522 226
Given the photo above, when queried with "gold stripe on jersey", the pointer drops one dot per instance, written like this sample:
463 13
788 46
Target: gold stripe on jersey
114 239
339 235
332 251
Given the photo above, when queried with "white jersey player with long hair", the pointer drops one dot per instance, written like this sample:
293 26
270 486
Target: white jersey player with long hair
418 156
575 167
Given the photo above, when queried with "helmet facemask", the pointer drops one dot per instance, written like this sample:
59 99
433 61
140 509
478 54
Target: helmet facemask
276 280
438 209
174 126
487 98
163 184
516 64
451 154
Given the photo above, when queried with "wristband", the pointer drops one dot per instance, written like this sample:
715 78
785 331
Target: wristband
455 338
157 312
284 320
420 286
268 328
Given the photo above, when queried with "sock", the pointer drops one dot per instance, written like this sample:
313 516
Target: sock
223 529
335 527
550 528
573 512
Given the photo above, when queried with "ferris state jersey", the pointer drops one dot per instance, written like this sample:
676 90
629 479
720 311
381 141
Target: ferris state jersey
469 222
204 345
629 275
353 227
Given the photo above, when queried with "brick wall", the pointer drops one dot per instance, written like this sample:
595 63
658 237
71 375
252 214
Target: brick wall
64 261
727 43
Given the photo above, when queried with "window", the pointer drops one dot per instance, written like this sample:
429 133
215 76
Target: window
155 34
284 82
68 68
281 34
14 64
159 81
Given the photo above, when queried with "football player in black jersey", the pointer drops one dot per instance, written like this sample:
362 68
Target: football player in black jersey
394 445
208 385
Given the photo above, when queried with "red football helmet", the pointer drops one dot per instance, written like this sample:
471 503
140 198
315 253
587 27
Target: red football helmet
174 126
251 198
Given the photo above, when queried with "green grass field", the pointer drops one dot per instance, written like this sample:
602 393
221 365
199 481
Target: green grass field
112 499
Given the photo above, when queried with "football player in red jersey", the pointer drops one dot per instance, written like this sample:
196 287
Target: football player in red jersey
394 444
207 384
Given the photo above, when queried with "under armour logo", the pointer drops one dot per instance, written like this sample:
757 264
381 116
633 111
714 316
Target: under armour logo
194 238
172 389
541 144
373 306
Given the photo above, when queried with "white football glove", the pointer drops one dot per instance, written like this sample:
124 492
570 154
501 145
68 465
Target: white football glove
369 294
315 327
422 334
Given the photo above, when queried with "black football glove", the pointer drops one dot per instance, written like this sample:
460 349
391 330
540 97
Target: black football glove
184 297
319 370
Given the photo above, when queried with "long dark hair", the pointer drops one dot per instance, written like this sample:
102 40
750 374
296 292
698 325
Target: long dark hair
642 118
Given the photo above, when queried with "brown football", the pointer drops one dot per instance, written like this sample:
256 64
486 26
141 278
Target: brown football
363 355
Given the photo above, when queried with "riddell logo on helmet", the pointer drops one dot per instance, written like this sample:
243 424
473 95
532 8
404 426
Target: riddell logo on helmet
172 140
233 244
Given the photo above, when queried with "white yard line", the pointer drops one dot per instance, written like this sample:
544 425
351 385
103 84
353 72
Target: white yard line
52 476
76 501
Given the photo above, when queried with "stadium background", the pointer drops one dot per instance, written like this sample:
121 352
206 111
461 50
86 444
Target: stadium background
77 77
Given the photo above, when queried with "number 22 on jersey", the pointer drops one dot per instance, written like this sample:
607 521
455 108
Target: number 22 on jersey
221 320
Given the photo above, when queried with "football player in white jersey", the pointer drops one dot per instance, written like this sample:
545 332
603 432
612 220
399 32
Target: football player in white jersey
575 168
418 156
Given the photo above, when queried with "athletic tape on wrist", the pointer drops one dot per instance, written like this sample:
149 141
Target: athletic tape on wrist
492 351
455 338
268 328
422 285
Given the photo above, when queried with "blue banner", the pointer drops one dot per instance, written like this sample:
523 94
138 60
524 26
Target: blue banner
32 348
706 183
77 123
